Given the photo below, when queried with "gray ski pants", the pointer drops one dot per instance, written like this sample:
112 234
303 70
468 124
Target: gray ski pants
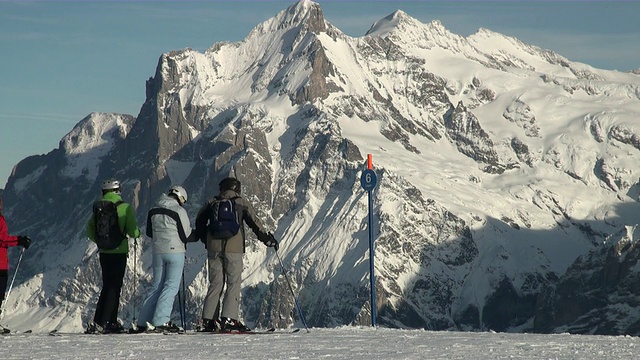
224 269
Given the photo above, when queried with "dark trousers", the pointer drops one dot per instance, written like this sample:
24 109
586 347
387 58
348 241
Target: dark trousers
113 269
4 276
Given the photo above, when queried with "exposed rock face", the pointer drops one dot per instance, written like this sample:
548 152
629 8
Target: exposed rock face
599 293
520 114
467 133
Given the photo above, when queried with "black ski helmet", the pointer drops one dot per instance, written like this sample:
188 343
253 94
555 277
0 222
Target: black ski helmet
230 183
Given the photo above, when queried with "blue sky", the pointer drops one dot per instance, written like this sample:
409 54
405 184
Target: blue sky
60 61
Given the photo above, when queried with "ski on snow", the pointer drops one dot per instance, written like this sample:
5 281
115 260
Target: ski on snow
55 332
260 332
5 331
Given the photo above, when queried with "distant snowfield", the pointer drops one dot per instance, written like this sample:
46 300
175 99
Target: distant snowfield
343 343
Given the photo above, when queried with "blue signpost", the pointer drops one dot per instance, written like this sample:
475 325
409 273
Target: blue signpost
368 181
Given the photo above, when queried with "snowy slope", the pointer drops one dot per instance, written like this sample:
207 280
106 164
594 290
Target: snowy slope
338 343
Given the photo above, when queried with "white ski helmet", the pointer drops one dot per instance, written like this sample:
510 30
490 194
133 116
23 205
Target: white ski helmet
180 193
111 185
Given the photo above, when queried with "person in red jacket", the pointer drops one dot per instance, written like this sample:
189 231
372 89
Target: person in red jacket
7 240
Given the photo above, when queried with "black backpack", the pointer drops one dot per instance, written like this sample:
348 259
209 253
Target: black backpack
223 221
108 233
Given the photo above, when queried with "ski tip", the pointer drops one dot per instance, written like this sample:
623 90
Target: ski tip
295 330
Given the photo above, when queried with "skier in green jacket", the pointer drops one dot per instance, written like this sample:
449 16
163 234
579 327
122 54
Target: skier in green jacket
113 262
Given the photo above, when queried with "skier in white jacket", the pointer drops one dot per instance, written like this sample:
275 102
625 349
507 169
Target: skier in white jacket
169 228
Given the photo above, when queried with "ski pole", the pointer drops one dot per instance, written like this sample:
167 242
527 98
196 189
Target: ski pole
183 315
295 299
135 280
180 308
4 303
181 304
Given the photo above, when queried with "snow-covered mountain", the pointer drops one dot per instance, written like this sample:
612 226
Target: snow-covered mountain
507 173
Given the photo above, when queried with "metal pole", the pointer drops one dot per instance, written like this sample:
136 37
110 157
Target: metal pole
371 262
183 309
295 299
368 180
135 281
4 303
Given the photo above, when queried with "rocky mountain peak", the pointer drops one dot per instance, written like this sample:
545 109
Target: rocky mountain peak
96 130
306 13
387 24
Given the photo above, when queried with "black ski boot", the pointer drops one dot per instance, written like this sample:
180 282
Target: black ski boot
170 328
233 325
93 328
212 326
137 329
114 328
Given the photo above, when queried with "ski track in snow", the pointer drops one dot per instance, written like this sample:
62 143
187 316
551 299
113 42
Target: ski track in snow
343 342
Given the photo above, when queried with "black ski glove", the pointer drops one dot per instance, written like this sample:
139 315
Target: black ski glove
270 241
199 235
24 241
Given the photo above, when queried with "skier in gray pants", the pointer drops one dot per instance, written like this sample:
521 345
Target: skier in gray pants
224 237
